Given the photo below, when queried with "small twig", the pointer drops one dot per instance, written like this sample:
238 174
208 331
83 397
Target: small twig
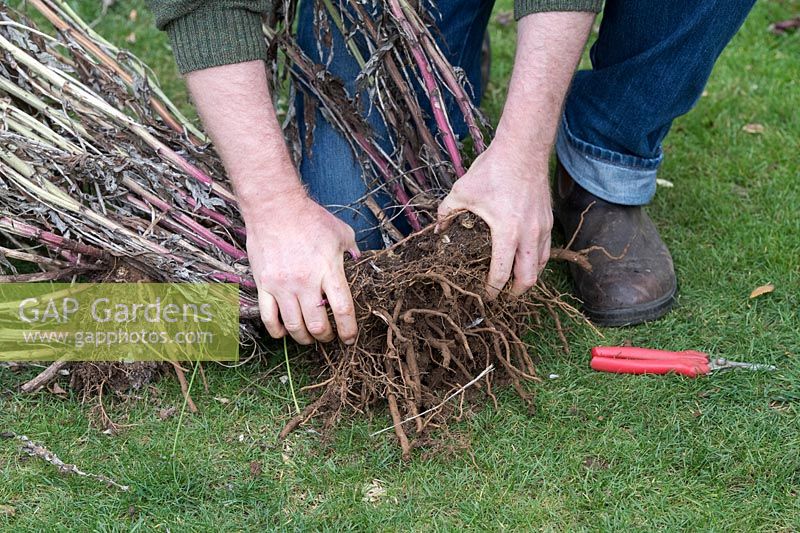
439 406
44 378
184 386
35 449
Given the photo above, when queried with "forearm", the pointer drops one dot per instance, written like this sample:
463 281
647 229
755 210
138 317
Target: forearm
549 46
236 109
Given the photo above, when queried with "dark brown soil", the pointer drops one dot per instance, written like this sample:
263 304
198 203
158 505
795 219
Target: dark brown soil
426 331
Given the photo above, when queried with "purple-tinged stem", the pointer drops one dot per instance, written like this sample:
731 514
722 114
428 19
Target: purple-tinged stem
49 239
395 186
195 232
227 277
431 88
416 168
464 103
216 216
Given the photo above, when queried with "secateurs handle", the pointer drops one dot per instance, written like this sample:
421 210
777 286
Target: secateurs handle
633 360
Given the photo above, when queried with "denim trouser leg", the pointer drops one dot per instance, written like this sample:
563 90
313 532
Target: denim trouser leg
650 64
329 169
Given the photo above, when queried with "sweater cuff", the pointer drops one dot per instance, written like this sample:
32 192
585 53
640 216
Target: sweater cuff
211 36
526 7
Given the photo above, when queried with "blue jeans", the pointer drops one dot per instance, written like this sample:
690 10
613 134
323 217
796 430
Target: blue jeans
329 169
650 64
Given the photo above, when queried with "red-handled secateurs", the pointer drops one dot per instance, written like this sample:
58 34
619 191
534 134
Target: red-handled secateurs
632 360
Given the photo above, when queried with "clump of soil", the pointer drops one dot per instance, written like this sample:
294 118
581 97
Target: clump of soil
90 378
426 330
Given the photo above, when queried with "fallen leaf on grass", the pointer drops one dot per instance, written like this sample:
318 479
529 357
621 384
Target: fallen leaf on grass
167 412
7 510
374 491
131 38
504 18
781 407
58 390
596 463
785 26
255 469
764 289
753 128
664 183
133 15
222 400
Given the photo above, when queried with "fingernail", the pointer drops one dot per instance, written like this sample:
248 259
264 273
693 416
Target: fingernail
322 303
350 342
355 254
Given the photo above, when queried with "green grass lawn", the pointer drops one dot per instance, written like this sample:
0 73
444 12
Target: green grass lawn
602 452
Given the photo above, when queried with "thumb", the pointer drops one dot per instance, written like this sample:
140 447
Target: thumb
447 211
350 245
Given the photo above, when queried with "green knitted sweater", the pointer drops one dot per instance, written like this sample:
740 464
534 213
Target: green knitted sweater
209 33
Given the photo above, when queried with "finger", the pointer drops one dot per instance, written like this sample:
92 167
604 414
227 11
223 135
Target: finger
270 316
292 318
445 211
315 317
526 267
503 249
350 244
544 252
340 300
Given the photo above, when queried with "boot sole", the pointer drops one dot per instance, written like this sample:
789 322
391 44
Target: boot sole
631 316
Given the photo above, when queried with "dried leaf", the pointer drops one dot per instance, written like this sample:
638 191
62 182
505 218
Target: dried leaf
163 414
785 26
504 18
594 462
7 510
764 289
133 15
131 38
222 400
255 469
753 127
55 388
374 491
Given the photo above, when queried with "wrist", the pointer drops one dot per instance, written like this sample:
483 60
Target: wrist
522 151
263 198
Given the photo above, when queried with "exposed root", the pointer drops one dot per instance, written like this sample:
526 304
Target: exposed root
119 378
426 330
184 387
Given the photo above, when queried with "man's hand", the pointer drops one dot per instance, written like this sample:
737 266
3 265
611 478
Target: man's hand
296 248
514 200
297 265
507 185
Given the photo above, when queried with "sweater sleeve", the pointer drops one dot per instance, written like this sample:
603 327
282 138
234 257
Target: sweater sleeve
526 7
210 33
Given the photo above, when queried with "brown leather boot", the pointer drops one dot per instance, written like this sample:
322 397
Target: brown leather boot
633 281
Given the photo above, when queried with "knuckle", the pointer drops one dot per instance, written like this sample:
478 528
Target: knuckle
286 277
293 327
317 328
268 320
275 334
344 308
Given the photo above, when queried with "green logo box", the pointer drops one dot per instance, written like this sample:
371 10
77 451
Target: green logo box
119 322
